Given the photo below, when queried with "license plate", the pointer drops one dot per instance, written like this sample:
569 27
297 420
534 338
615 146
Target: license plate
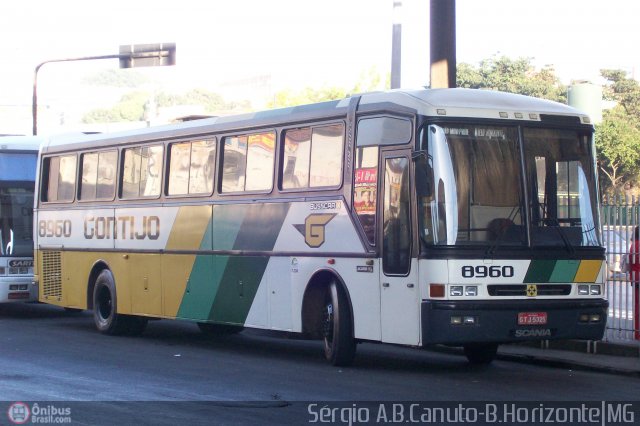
532 318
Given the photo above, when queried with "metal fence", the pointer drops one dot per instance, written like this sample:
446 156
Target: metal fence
620 215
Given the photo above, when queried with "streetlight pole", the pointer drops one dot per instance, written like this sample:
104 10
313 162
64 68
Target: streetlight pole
130 56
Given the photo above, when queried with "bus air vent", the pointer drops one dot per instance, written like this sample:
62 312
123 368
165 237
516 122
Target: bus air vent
51 275
521 290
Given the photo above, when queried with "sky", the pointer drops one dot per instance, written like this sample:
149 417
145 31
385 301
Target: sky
296 43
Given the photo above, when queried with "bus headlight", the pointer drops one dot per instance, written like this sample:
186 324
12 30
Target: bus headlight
471 290
583 290
595 290
455 290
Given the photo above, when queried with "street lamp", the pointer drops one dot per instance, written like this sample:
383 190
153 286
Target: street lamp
130 56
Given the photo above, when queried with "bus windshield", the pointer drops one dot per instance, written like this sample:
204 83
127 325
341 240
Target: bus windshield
478 181
17 173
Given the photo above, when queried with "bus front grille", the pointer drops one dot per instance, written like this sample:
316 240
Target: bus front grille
521 290
51 275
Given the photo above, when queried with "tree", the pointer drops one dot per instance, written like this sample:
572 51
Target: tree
131 106
369 80
513 76
618 146
117 78
623 90
618 136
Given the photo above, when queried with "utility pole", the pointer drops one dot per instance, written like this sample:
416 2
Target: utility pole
443 43
396 45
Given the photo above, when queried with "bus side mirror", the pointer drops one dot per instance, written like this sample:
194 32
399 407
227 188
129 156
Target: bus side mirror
424 174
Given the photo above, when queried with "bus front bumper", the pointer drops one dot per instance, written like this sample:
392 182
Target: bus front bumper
18 289
462 322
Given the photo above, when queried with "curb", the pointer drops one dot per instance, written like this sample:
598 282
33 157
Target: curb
594 347
544 360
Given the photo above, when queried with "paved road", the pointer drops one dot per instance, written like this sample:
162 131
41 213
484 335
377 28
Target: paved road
47 354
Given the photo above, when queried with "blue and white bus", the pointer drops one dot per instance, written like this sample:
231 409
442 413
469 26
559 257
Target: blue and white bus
18 158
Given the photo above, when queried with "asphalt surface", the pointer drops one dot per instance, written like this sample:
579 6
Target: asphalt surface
173 374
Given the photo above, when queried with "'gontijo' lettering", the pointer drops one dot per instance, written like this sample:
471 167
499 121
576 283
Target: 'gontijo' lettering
122 228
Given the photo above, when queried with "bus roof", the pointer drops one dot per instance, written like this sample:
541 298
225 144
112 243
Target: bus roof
20 143
450 103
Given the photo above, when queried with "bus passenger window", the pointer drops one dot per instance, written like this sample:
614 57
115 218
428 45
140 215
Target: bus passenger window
179 168
326 156
191 167
297 147
203 159
61 179
247 163
141 172
260 156
233 164
312 157
98 176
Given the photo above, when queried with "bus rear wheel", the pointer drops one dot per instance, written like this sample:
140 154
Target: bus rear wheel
481 353
105 315
339 344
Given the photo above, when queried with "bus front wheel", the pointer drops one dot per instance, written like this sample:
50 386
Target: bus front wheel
481 353
105 315
339 344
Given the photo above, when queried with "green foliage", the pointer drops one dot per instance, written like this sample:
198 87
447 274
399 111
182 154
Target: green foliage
618 136
625 91
513 76
117 78
130 108
618 146
132 105
290 98
369 80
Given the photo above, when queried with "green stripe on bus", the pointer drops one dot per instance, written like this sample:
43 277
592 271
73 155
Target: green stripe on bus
539 271
238 288
227 221
221 287
564 271
202 287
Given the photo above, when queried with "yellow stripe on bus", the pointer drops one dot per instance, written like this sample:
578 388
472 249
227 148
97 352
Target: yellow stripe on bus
187 234
189 227
588 271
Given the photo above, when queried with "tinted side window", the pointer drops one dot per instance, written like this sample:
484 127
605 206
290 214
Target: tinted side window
142 172
98 175
326 156
61 179
295 168
247 163
312 157
191 167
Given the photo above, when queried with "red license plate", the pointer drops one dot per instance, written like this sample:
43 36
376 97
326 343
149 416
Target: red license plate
532 318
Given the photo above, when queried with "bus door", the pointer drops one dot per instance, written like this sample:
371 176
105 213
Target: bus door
400 320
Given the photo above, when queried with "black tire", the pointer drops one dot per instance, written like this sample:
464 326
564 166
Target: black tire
481 353
105 314
337 330
213 330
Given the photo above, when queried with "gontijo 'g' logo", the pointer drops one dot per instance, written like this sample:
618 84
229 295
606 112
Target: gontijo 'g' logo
314 228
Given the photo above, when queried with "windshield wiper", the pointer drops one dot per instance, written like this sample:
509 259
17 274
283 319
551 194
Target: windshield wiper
570 248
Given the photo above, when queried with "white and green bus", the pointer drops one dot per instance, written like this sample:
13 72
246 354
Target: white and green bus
452 216
18 157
